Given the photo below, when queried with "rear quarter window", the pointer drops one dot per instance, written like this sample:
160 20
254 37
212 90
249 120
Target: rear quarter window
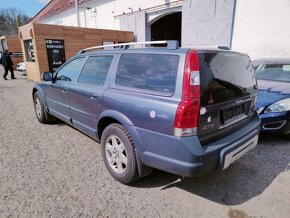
150 73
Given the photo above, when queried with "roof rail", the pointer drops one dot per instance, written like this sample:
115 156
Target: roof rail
221 47
171 44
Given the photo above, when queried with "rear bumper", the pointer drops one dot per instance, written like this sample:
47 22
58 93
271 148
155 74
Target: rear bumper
187 157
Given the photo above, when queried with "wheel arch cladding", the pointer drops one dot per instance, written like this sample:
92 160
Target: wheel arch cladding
34 90
37 88
103 123
110 116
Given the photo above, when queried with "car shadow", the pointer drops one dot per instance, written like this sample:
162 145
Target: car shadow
243 180
57 122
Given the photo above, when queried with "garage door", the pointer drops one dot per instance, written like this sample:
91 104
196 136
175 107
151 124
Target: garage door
207 22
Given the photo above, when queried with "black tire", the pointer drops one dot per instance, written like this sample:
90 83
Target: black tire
40 113
125 172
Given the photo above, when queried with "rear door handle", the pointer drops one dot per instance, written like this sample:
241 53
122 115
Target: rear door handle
95 97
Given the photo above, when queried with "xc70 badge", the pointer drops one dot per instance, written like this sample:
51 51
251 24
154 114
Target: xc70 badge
208 126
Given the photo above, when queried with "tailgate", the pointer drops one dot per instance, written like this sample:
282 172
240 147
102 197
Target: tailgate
228 93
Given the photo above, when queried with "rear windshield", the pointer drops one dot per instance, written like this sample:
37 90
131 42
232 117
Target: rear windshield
225 76
275 72
148 72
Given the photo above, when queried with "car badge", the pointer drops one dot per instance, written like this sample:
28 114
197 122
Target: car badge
152 114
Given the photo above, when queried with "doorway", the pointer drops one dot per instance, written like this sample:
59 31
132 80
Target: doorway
167 28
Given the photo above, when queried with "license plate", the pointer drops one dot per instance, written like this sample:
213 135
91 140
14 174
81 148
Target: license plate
236 154
232 113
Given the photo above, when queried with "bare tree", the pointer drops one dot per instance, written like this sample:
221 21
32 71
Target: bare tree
9 19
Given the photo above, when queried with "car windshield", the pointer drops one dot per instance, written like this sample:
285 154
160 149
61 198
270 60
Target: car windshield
275 72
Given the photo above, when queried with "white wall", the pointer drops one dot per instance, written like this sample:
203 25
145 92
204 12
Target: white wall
262 28
103 13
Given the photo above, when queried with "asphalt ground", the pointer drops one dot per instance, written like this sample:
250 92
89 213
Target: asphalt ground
56 171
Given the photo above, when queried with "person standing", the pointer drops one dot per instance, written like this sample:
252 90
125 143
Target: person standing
7 64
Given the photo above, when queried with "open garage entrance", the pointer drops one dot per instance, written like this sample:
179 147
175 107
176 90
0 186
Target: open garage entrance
167 28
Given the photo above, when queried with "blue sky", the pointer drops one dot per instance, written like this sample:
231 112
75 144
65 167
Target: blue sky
28 7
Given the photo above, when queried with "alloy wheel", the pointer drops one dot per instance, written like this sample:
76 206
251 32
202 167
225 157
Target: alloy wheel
38 107
116 154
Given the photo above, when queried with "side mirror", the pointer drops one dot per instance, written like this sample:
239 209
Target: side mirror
47 76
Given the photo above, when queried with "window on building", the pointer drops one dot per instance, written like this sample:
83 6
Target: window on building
152 73
95 70
70 72
3 45
29 51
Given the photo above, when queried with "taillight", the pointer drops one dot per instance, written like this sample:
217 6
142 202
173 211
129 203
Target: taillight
187 113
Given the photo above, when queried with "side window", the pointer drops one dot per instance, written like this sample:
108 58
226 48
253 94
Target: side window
71 71
149 72
95 70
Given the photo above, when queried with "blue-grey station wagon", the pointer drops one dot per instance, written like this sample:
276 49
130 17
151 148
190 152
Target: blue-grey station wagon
180 110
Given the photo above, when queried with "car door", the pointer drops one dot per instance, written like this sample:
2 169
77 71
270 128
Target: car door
57 95
86 95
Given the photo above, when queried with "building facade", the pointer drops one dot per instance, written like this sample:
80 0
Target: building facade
47 47
258 27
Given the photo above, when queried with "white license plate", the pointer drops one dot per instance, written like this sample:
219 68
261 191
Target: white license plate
239 152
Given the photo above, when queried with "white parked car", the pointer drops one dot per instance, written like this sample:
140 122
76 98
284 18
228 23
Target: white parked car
21 66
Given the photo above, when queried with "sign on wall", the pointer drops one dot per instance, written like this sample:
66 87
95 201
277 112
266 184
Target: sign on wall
16 54
55 53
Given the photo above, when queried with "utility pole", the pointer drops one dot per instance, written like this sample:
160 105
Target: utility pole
16 14
77 12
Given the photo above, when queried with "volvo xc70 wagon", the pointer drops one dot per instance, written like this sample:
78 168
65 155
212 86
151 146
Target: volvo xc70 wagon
181 110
